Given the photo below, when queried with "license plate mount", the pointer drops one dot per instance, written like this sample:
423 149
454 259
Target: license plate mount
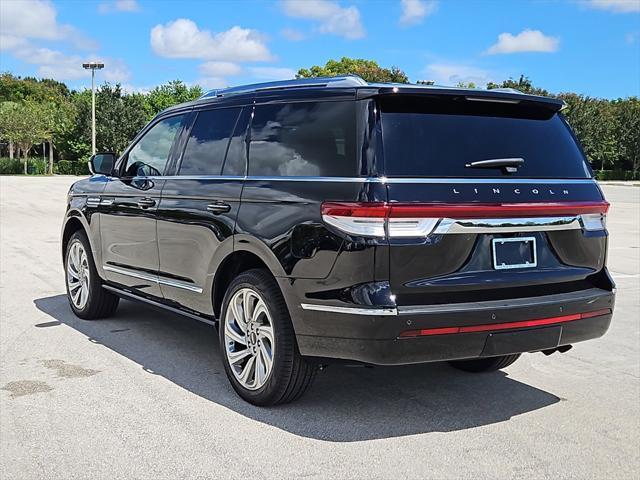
514 252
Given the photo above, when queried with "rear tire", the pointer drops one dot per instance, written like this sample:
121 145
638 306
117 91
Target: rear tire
87 298
490 364
259 350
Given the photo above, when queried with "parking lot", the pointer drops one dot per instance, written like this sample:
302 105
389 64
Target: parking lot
144 394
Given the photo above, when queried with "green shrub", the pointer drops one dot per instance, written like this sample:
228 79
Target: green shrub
10 166
76 167
617 175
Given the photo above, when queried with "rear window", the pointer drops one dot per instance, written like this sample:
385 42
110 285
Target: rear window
438 137
303 139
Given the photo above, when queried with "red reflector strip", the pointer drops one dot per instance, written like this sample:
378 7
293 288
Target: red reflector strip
462 210
505 326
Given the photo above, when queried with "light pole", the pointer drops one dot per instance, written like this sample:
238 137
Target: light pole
93 66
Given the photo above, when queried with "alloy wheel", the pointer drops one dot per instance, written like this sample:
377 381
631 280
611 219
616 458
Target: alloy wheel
249 338
78 275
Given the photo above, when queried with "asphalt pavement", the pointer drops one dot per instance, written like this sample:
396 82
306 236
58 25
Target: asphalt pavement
144 394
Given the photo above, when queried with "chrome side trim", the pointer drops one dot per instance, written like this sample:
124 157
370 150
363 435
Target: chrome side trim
179 284
153 278
93 201
140 275
495 181
507 225
138 298
350 310
107 201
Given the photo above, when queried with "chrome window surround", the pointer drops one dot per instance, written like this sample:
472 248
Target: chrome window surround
153 278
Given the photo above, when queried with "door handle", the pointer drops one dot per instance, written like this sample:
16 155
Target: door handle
146 202
218 207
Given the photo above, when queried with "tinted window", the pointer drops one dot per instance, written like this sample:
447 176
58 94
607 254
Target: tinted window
236 161
208 141
439 137
149 156
303 139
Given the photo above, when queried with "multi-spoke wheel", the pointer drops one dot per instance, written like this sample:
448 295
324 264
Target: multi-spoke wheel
78 275
260 353
87 298
248 333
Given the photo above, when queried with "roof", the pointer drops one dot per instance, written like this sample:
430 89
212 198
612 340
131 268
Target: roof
363 89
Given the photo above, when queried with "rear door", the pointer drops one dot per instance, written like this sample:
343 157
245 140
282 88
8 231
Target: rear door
199 206
128 210
489 200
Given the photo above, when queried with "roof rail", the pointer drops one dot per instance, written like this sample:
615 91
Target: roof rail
342 81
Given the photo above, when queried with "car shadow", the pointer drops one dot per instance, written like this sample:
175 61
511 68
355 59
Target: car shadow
345 404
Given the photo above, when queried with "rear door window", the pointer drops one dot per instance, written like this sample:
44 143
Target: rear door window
303 139
438 137
206 147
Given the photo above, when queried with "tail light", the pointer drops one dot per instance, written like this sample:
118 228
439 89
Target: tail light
379 219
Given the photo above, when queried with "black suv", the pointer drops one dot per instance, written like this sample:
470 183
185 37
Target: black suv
331 219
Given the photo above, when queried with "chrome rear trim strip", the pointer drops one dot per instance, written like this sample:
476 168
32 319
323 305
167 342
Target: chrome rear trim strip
153 278
350 310
507 225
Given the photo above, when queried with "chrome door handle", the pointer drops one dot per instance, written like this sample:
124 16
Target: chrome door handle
146 202
218 207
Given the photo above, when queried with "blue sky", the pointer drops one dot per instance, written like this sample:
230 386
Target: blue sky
587 46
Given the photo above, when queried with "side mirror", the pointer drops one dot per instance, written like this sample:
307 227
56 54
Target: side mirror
102 163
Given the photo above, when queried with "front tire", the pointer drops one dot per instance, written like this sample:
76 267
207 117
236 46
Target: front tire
258 344
87 298
490 364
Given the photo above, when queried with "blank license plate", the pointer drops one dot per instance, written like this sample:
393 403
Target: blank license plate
517 252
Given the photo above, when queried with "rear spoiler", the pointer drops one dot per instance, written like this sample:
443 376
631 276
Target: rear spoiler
496 95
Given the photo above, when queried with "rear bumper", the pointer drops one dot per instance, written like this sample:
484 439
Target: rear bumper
485 329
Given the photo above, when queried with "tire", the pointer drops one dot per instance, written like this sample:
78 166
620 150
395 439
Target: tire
490 364
268 336
98 302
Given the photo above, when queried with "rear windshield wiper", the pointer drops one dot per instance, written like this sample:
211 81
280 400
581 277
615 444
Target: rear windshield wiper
509 164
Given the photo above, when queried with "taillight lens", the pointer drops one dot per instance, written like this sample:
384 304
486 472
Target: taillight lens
378 219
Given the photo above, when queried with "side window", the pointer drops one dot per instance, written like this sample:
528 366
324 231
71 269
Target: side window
208 140
236 162
304 139
149 156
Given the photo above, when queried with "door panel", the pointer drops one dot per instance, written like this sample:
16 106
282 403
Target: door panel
128 230
193 239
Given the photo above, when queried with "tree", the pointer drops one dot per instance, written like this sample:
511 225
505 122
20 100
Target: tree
627 131
523 84
369 70
169 94
22 124
57 118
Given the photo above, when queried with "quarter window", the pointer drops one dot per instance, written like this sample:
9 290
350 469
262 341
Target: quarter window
149 156
208 141
303 139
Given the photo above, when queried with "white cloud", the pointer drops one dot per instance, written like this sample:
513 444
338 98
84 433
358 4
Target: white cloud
332 18
36 19
414 11
452 74
272 73
119 6
525 41
182 38
632 37
292 34
220 69
212 82
59 66
616 6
